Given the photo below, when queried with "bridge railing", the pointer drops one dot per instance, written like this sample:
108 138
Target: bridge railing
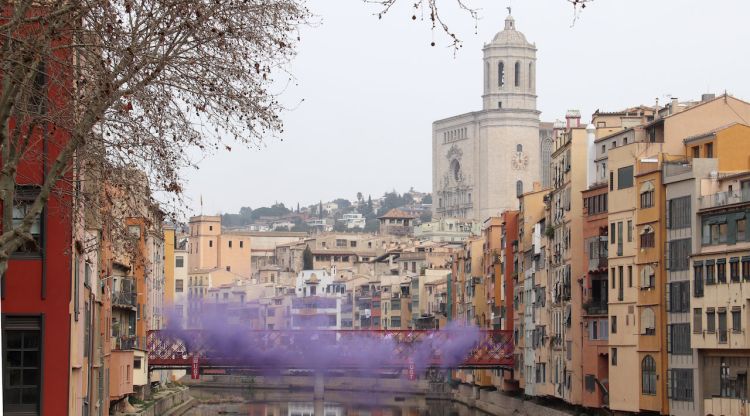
280 349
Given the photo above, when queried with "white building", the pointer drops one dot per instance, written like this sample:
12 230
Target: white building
319 300
482 160
353 220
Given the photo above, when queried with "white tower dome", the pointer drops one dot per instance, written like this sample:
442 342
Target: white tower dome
509 70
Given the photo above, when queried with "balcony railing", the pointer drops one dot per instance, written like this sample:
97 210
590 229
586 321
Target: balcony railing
598 264
721 199
124 298
129 343
596 307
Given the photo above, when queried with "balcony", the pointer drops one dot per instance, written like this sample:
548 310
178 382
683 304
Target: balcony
128 343
596 307
721 199
598 264
124 299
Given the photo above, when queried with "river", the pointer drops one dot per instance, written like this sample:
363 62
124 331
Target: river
217 401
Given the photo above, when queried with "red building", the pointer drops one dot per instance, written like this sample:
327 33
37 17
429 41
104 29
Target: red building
37 306
595 302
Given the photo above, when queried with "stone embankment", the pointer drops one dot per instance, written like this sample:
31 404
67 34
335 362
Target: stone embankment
168 402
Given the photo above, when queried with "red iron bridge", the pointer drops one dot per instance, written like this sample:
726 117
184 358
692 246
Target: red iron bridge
329 349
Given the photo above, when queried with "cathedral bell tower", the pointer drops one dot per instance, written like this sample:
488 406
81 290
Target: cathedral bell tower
509 70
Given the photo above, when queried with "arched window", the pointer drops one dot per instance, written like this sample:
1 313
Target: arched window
648 323
648 375
519 188
531 74
648 276
456 169
500 74
486 75
519 148
517 74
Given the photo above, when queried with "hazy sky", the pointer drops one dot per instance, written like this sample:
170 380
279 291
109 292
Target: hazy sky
372 88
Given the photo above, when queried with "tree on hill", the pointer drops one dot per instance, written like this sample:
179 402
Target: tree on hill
427 199
307 259
342 203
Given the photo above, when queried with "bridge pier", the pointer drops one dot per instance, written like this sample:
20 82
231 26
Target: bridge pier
319 386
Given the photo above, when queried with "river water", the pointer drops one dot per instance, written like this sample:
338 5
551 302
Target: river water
214 401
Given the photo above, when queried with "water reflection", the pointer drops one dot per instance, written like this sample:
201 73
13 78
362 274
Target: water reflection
336 403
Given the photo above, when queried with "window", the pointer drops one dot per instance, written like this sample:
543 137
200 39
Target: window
648 239
734 269
736 320
619 238
715 230
722 326
710 278
25 196
710 320
519 188
696 152
647 194
614 356
210 228
681 384
241 244
21 364
590 382
614 324
395 304
630 231
612 233
136 363
340 242
395 322
519 148
678 296
721 270
697 320
517 75
210 243
648 276
611 180
648 375
230 243
679 254
630 276
709 150
229 268
179 261
621 288
500 74
741 227
698 279
625 177
179 285
746 268
648 322
678 213
678 339
486 78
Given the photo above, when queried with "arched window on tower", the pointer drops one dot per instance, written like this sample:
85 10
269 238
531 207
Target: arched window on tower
519 188
531 74
500 74
519 148
486 75
518 74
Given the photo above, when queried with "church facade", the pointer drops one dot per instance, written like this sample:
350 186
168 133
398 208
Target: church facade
481 161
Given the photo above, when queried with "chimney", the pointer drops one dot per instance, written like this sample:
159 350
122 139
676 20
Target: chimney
673 106
590 155
573 118
707 97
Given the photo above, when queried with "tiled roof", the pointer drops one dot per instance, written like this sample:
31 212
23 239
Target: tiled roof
397 213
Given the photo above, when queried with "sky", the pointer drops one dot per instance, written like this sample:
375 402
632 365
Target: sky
366 90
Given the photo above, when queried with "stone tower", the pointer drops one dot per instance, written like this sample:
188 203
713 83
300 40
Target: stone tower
482 160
